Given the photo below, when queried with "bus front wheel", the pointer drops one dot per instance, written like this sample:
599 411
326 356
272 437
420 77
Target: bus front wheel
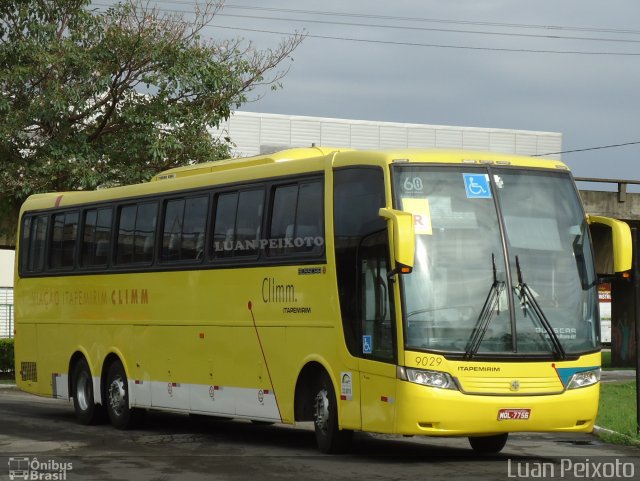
86 410
329 437
489 444
121 415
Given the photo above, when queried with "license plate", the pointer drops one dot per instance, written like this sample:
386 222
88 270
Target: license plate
514 414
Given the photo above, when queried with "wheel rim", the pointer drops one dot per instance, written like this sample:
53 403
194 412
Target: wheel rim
321 414
83 391
117 396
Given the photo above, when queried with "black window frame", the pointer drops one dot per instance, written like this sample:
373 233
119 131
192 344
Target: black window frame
263 257
159 259
160 200
81 266
349 237
229 256
116 262
63 250
295 254
26 244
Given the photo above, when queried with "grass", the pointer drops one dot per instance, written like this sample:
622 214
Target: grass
618 412
606 359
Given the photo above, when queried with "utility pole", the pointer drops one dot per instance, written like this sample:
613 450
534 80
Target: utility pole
636 305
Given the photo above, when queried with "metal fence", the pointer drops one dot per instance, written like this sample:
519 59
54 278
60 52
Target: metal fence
6 312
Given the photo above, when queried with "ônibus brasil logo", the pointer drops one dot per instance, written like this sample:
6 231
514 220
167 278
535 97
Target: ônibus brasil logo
33 469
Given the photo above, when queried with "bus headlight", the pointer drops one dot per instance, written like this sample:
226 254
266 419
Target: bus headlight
584 379
437 379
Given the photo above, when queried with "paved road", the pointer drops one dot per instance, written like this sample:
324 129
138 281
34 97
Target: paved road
176 447
618 375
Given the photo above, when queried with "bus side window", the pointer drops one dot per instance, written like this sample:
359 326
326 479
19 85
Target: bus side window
193 228
309 217
172 232
34 236
283 217
297 219
96 238
184 226
136 233
236 227
63 240
224 225
248 221
145 232
126 232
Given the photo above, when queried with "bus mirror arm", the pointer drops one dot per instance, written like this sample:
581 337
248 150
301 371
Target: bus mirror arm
403 239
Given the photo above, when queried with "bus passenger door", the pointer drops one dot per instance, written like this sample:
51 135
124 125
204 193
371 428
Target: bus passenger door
378 354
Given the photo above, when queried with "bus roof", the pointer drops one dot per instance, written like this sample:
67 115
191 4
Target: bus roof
348 156
286 162
231 164
444 156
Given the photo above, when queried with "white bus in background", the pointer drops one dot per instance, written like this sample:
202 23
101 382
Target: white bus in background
6 292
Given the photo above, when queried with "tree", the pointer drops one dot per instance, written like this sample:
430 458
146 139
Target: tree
90 98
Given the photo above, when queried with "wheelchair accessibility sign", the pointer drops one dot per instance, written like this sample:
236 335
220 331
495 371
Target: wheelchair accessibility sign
477 186
367 344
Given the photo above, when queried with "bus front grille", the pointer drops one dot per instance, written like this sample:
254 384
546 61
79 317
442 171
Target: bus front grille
511 386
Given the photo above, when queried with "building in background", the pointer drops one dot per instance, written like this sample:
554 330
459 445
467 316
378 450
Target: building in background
6 293
255 134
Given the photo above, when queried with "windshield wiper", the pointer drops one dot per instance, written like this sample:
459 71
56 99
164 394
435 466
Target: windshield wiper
490 308
528 299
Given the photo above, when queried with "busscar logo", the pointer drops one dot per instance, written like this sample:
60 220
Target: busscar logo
36 470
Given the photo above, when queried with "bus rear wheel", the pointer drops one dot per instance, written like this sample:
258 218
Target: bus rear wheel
121 415
86 410
329 437
489 444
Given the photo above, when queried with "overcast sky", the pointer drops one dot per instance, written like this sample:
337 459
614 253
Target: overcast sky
502 74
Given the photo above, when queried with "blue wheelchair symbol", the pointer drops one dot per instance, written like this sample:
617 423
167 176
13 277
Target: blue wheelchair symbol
367 344
477 186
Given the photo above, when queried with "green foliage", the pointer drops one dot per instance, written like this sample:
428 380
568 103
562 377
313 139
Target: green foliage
6 356
90 98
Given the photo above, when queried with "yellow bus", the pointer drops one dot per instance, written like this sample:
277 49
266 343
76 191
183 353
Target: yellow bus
435 293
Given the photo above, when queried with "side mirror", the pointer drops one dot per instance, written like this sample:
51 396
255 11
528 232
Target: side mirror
403 236
619 247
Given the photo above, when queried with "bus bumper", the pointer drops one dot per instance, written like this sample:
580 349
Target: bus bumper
443 412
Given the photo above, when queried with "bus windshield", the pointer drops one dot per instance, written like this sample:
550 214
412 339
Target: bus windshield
503 262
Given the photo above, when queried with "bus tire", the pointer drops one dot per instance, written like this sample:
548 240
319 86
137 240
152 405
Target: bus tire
489 444
86 410
121 415
329 437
